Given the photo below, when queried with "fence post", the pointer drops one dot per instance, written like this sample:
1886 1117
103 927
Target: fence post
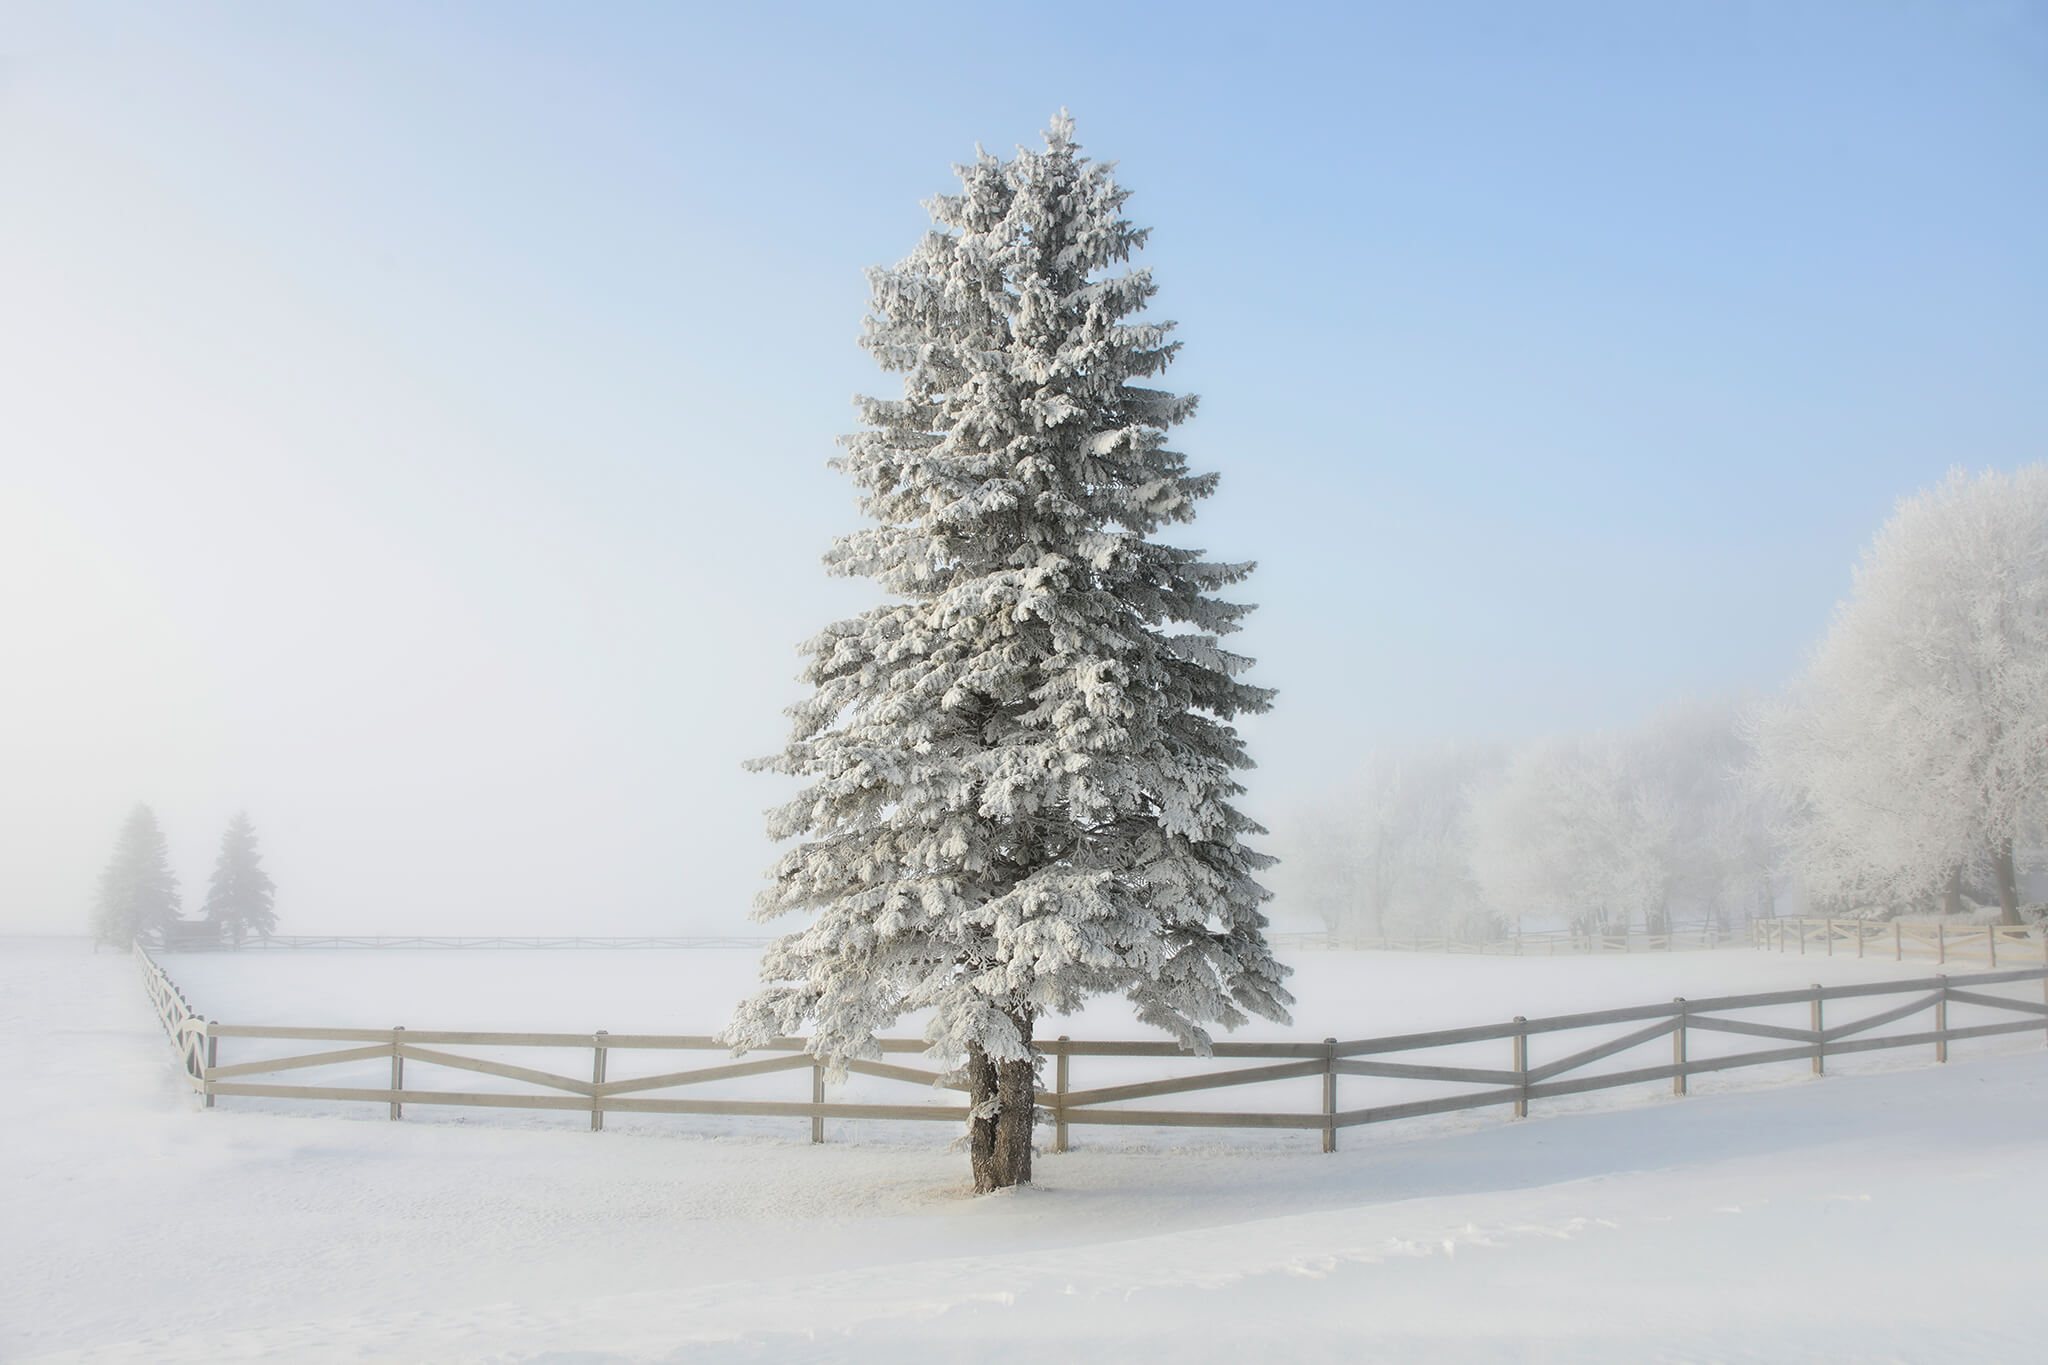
1898 943
212 1058
1678 1049
1059 1088
1941 1023
1991 943
1522 1067
397 1069
597 1078
1941 944
1820 1061
817 1097
1329 1094
1829 925
1860 936
1802 936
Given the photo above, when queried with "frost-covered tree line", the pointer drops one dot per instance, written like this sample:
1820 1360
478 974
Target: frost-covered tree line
1019 769
1904 771
138 892
1654 828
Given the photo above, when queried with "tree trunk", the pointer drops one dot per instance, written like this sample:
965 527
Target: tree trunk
2008 884
1000 1145
1952 899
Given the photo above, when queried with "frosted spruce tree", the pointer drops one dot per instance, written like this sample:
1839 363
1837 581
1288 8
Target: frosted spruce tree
137 892
240 898
1020 769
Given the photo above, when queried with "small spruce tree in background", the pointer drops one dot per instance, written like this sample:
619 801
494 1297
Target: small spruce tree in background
137 893
240 896
1021 769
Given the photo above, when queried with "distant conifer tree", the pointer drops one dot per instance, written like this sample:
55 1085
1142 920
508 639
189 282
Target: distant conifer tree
240 897
137 893
1022 769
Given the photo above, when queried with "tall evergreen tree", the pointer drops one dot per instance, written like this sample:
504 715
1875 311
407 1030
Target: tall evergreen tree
137 893
240 896
1021 769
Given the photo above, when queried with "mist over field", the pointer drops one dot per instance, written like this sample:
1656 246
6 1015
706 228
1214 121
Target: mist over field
1379 672
416 425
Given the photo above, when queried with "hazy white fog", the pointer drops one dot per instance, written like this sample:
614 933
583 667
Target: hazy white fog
413 426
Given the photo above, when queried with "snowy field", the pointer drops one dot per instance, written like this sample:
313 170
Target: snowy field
1888 1213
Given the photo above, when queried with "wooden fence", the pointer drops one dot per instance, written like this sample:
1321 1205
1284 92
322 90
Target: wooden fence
1545 943
217 944
187 1031
1986 943
1485 1066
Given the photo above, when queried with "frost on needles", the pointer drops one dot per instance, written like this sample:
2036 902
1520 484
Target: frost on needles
1020 769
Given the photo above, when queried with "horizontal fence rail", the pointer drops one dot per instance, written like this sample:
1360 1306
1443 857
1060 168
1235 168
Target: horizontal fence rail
1543 943
1483 1066
1900 939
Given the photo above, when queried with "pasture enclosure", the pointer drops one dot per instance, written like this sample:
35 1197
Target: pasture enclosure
1538 943
1987 943
1308 1087
276 942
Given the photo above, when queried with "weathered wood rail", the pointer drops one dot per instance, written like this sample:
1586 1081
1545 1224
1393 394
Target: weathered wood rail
1987 943
1595 1055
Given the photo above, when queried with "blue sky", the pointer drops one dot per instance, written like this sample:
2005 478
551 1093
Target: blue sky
413 420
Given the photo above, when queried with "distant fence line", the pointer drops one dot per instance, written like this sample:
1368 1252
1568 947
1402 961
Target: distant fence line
1514 1085
188 944
1539 944
1543 943
1988 943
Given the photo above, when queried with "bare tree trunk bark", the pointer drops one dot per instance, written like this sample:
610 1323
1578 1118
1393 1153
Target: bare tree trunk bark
999 1145
1952 899
2008 884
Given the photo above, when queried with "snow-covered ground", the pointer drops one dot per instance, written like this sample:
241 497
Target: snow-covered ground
1891 1215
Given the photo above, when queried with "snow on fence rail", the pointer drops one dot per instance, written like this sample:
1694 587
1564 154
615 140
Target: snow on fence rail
1408 1070
1987 943
186 1029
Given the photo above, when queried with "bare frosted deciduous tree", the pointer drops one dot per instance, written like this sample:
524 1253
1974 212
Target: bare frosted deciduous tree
1021 771
1567 833
1915 745
1656 822
1389 853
